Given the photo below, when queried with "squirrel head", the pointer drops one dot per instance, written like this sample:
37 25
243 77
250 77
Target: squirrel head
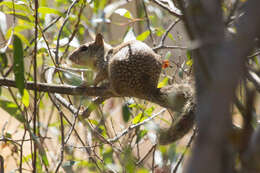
88 54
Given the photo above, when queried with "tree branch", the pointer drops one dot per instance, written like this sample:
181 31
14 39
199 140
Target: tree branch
175 12
166 97
61 89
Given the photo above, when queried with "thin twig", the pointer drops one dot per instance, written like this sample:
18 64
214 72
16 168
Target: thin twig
62 137
35 85
74 31
21 152
83 147
5 139
175 12
48 47
8 71
46 28
186 149
170 47
113 127
146 155
255 79
72 127
1 164
130 128
148 23
232 11
72 109
168 30
240 106
60 31
153 167
254 54
162 41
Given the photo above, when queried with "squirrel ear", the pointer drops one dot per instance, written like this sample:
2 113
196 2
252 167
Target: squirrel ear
99 40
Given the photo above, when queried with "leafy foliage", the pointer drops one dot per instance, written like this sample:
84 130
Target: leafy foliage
18 64
12 109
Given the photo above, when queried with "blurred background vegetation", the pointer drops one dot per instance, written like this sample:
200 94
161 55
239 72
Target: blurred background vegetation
64 143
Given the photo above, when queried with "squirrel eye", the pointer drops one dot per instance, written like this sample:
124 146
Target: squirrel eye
84 48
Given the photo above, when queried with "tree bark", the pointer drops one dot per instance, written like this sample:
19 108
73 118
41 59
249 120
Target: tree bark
219 64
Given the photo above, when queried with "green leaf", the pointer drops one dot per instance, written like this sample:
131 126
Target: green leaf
19 28
133 105
139 118
126 112
18 6
82 2
84 164
188 54
143 36
39 166
27 158
93 121
12 109
159 31
99 5
163 149
21 15
123 12
163 83
26 98
189 62
171 36
43 3
3 61
140 135
108 155
22 38
142 170
44 156
47 10
256 60
149 111
102 130
128 159
8 135
18 64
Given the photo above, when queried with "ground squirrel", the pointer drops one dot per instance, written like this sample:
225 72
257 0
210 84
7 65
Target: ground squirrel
131 68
